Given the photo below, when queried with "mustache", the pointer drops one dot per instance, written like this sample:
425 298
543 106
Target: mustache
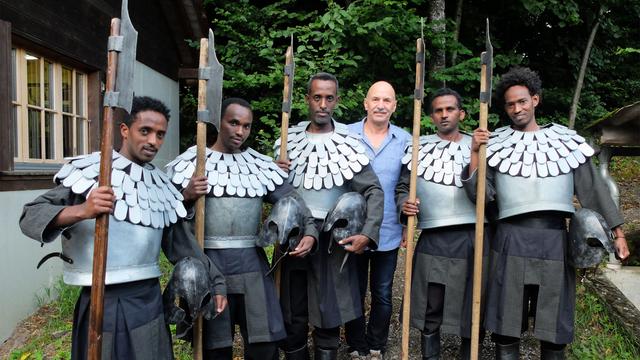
150 148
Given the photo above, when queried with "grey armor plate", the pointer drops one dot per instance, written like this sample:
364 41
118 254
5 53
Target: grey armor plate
441 161
328 162
144 194
551 151
244 174
132 253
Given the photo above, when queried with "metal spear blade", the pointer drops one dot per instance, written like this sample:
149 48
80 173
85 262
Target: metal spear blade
487 59
126 59
214 83
289 71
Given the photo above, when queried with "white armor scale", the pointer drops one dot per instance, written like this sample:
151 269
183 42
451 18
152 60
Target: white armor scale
321 164
534 169
236 186
146 203
439 187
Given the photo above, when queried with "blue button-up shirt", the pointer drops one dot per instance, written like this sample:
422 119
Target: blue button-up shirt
385 161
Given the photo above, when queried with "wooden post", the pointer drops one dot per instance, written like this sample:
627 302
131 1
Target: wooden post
201 145
102 221
479 240
411 221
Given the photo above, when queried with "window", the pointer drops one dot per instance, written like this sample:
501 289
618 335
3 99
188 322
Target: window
49 109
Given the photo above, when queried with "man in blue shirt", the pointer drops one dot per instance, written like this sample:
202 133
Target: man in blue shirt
385 145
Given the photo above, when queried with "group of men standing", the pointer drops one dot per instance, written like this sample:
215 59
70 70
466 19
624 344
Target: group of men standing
531 183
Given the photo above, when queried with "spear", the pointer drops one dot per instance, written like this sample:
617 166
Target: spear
289 69
210 75
118 93
418 97
485 101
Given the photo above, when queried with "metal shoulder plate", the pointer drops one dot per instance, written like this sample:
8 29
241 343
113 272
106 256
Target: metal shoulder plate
326 163
144 194
551 151
244 174
441 161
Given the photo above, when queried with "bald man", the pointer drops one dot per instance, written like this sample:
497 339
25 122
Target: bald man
385 145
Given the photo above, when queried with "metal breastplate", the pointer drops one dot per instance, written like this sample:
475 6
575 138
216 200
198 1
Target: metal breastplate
520 195
321 201
232 222
443 205
132 253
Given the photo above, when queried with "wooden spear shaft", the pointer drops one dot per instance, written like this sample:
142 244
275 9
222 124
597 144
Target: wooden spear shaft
479 240
201 144
411 221
96 310
284 132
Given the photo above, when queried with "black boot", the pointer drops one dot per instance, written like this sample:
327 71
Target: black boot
508 351
300 354
325 354
551 354
431 346
465 349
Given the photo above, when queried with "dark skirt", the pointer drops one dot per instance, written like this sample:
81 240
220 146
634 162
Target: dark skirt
532 256
133 323
445 256
244 271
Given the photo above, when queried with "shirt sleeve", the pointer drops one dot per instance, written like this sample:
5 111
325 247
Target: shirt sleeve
36 218
593 193
402 193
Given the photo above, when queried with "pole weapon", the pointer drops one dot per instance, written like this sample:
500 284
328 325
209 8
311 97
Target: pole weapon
210 77
418 97
287 93
118 93
485 102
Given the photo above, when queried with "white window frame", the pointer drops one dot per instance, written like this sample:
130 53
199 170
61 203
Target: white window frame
21 103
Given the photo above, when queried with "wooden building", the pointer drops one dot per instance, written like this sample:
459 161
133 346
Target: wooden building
52 71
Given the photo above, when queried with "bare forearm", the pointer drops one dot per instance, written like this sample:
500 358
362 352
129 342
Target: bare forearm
68 216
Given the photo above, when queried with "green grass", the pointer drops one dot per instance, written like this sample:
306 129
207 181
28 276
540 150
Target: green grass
597 335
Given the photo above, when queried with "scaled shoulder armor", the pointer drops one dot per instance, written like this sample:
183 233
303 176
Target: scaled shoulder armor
440 161
144 194
551 151
244 174
325 164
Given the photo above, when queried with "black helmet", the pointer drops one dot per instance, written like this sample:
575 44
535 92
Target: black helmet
284 225
347 216
188 295
590 238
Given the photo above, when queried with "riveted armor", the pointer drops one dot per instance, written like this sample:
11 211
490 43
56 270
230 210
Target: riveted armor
440 163
534 169
321 164
231 222
146 202
237 184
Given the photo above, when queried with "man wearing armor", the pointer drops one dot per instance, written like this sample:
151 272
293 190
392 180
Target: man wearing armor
325 162
533 173
236 183
384 143
143 205
442 284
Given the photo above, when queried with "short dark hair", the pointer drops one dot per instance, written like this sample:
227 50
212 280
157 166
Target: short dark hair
145 103
522 76
444 92
233 100
322 76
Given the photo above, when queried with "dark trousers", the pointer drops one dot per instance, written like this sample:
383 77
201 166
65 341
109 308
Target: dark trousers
378 268
257 351
297 325
435 308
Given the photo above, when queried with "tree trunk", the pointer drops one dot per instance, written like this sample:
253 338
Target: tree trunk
583 70
438 24
456 31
